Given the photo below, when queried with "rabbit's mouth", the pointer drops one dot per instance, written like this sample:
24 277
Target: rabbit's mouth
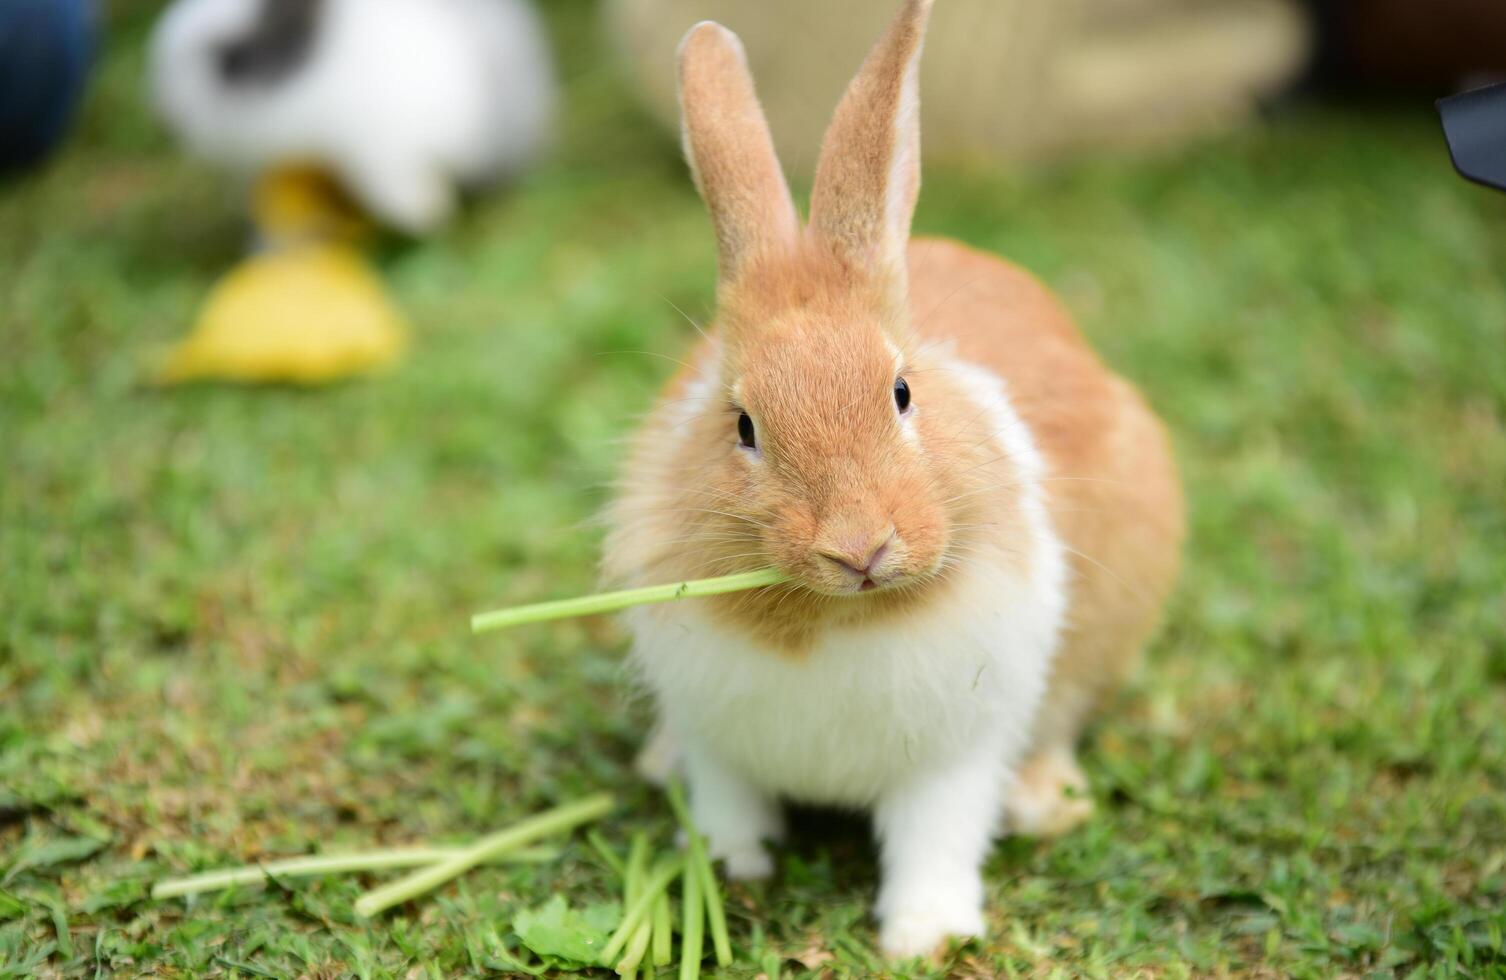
872 583
847 588
851 583
885 582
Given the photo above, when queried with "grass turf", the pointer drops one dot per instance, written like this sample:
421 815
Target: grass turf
235 620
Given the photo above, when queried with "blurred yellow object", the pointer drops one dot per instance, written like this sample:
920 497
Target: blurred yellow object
301 202
306 314
308 309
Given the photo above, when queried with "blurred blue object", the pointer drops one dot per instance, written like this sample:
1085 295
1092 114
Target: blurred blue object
1475 125
46 47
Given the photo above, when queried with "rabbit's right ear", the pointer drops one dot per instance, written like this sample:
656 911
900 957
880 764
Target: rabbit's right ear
730 150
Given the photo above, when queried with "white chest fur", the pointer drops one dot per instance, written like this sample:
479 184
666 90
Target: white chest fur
868 708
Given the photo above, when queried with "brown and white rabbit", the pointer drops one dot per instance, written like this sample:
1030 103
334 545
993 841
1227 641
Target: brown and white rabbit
980 522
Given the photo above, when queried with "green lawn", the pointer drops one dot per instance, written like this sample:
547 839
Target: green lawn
234 621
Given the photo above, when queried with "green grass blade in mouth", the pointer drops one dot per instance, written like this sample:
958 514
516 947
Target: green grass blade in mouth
606 602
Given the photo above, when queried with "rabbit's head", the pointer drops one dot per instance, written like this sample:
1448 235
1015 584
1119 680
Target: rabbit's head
836 452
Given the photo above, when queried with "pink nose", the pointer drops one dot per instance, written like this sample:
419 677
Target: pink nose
860 558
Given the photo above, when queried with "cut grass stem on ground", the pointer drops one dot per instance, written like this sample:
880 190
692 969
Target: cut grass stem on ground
699 861
637 948
692 923
329 864
632 887
612 859
663 945
559 820
658 880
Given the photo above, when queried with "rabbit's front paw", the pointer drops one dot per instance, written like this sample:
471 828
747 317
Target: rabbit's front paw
744 860
735 816
659 759
919 927
751 863
1050 797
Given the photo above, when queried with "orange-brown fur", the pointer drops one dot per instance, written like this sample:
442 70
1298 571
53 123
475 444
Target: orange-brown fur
1113 489
805 342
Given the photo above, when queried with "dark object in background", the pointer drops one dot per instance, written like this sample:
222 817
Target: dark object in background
276 46
45 50
1423 45
1475 125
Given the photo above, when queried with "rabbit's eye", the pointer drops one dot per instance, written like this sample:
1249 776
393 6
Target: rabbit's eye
902 395
745 431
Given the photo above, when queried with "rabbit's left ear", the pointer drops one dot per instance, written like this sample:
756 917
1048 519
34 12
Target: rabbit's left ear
868 176
730 151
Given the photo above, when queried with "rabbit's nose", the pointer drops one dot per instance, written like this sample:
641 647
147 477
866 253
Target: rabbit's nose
860 555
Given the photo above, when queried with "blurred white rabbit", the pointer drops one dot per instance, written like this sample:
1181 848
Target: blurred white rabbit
405 101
